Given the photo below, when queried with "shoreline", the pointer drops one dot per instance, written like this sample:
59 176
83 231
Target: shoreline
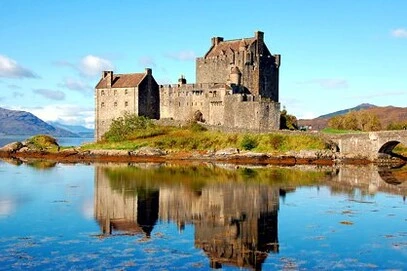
154 156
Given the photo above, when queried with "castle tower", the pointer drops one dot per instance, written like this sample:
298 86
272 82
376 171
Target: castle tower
259 69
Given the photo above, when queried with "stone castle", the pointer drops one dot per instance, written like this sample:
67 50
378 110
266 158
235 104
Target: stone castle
237 86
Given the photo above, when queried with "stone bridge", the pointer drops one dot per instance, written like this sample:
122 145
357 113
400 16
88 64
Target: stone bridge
370 145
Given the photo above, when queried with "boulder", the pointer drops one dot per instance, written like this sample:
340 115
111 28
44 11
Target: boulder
108 152
12 147
227 151
147 151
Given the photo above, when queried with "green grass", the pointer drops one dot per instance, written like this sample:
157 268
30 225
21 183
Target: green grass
193 137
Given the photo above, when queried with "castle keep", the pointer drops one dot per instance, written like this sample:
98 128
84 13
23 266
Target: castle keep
236 87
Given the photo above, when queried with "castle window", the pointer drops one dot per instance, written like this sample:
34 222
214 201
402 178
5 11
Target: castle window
179 104
115 92
125 91
102 92
102 104
126 103
115 104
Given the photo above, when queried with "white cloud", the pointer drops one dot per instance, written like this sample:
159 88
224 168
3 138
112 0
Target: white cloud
92 65
50 94
9 68
185 55
64 113
399 33
327 83
75 84
18 94
146 61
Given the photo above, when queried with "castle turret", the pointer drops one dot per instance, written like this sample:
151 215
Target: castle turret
235 76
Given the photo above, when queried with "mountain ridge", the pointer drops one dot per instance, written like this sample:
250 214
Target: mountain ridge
386 115
16 122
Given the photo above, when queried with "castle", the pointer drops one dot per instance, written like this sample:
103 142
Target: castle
237 86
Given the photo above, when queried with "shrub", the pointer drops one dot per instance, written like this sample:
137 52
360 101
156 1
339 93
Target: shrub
42 142
248 142
131 126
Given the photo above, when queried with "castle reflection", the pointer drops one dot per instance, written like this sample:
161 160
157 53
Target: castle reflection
234 211
236 223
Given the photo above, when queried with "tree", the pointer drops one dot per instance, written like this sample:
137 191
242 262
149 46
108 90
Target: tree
356 121
288 121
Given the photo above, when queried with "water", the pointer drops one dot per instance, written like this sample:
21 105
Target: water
166 217
62 141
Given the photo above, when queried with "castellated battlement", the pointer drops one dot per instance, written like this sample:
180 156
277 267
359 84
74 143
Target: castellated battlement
237 86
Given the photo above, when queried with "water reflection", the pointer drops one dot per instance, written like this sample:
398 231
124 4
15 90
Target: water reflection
234 211
235 221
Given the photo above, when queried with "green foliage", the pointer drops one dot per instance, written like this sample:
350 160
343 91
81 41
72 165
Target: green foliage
288 121
355 121
248 142
131 126
397 126
42 142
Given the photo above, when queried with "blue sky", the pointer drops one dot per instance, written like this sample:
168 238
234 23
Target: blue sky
335 54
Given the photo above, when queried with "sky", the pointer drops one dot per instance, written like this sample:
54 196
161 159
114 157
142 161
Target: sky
335 54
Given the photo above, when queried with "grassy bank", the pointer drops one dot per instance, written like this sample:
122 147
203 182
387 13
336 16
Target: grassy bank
193 137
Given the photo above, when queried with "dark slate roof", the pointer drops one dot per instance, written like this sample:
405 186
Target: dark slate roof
123 80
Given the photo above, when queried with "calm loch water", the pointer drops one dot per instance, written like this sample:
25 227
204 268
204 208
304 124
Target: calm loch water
181 217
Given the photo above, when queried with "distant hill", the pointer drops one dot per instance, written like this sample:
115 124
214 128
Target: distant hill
13 122
344 111
386 115
77 129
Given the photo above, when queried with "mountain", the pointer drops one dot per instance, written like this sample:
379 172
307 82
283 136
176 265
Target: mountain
13 122
386 115
77 129
344 111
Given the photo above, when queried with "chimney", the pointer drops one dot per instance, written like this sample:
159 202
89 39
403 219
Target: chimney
260 41
216 40
108 76
149 71
182 80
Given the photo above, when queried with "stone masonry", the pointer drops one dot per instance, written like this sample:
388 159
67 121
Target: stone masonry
237 87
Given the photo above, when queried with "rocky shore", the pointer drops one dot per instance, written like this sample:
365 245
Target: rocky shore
24 150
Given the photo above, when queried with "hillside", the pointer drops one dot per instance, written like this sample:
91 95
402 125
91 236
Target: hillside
386 115
13 122
76 129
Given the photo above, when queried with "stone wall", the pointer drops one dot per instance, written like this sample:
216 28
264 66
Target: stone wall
219 107
112 103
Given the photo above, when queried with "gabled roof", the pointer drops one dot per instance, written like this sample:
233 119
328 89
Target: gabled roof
234 45
123 80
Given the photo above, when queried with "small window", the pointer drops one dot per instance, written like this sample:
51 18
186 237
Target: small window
126 103
102 93
102 104
115 92
115 103
125 91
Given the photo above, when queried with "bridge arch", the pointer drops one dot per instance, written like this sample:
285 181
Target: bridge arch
389 146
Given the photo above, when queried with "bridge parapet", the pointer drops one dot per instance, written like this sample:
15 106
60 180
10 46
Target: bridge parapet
369 144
